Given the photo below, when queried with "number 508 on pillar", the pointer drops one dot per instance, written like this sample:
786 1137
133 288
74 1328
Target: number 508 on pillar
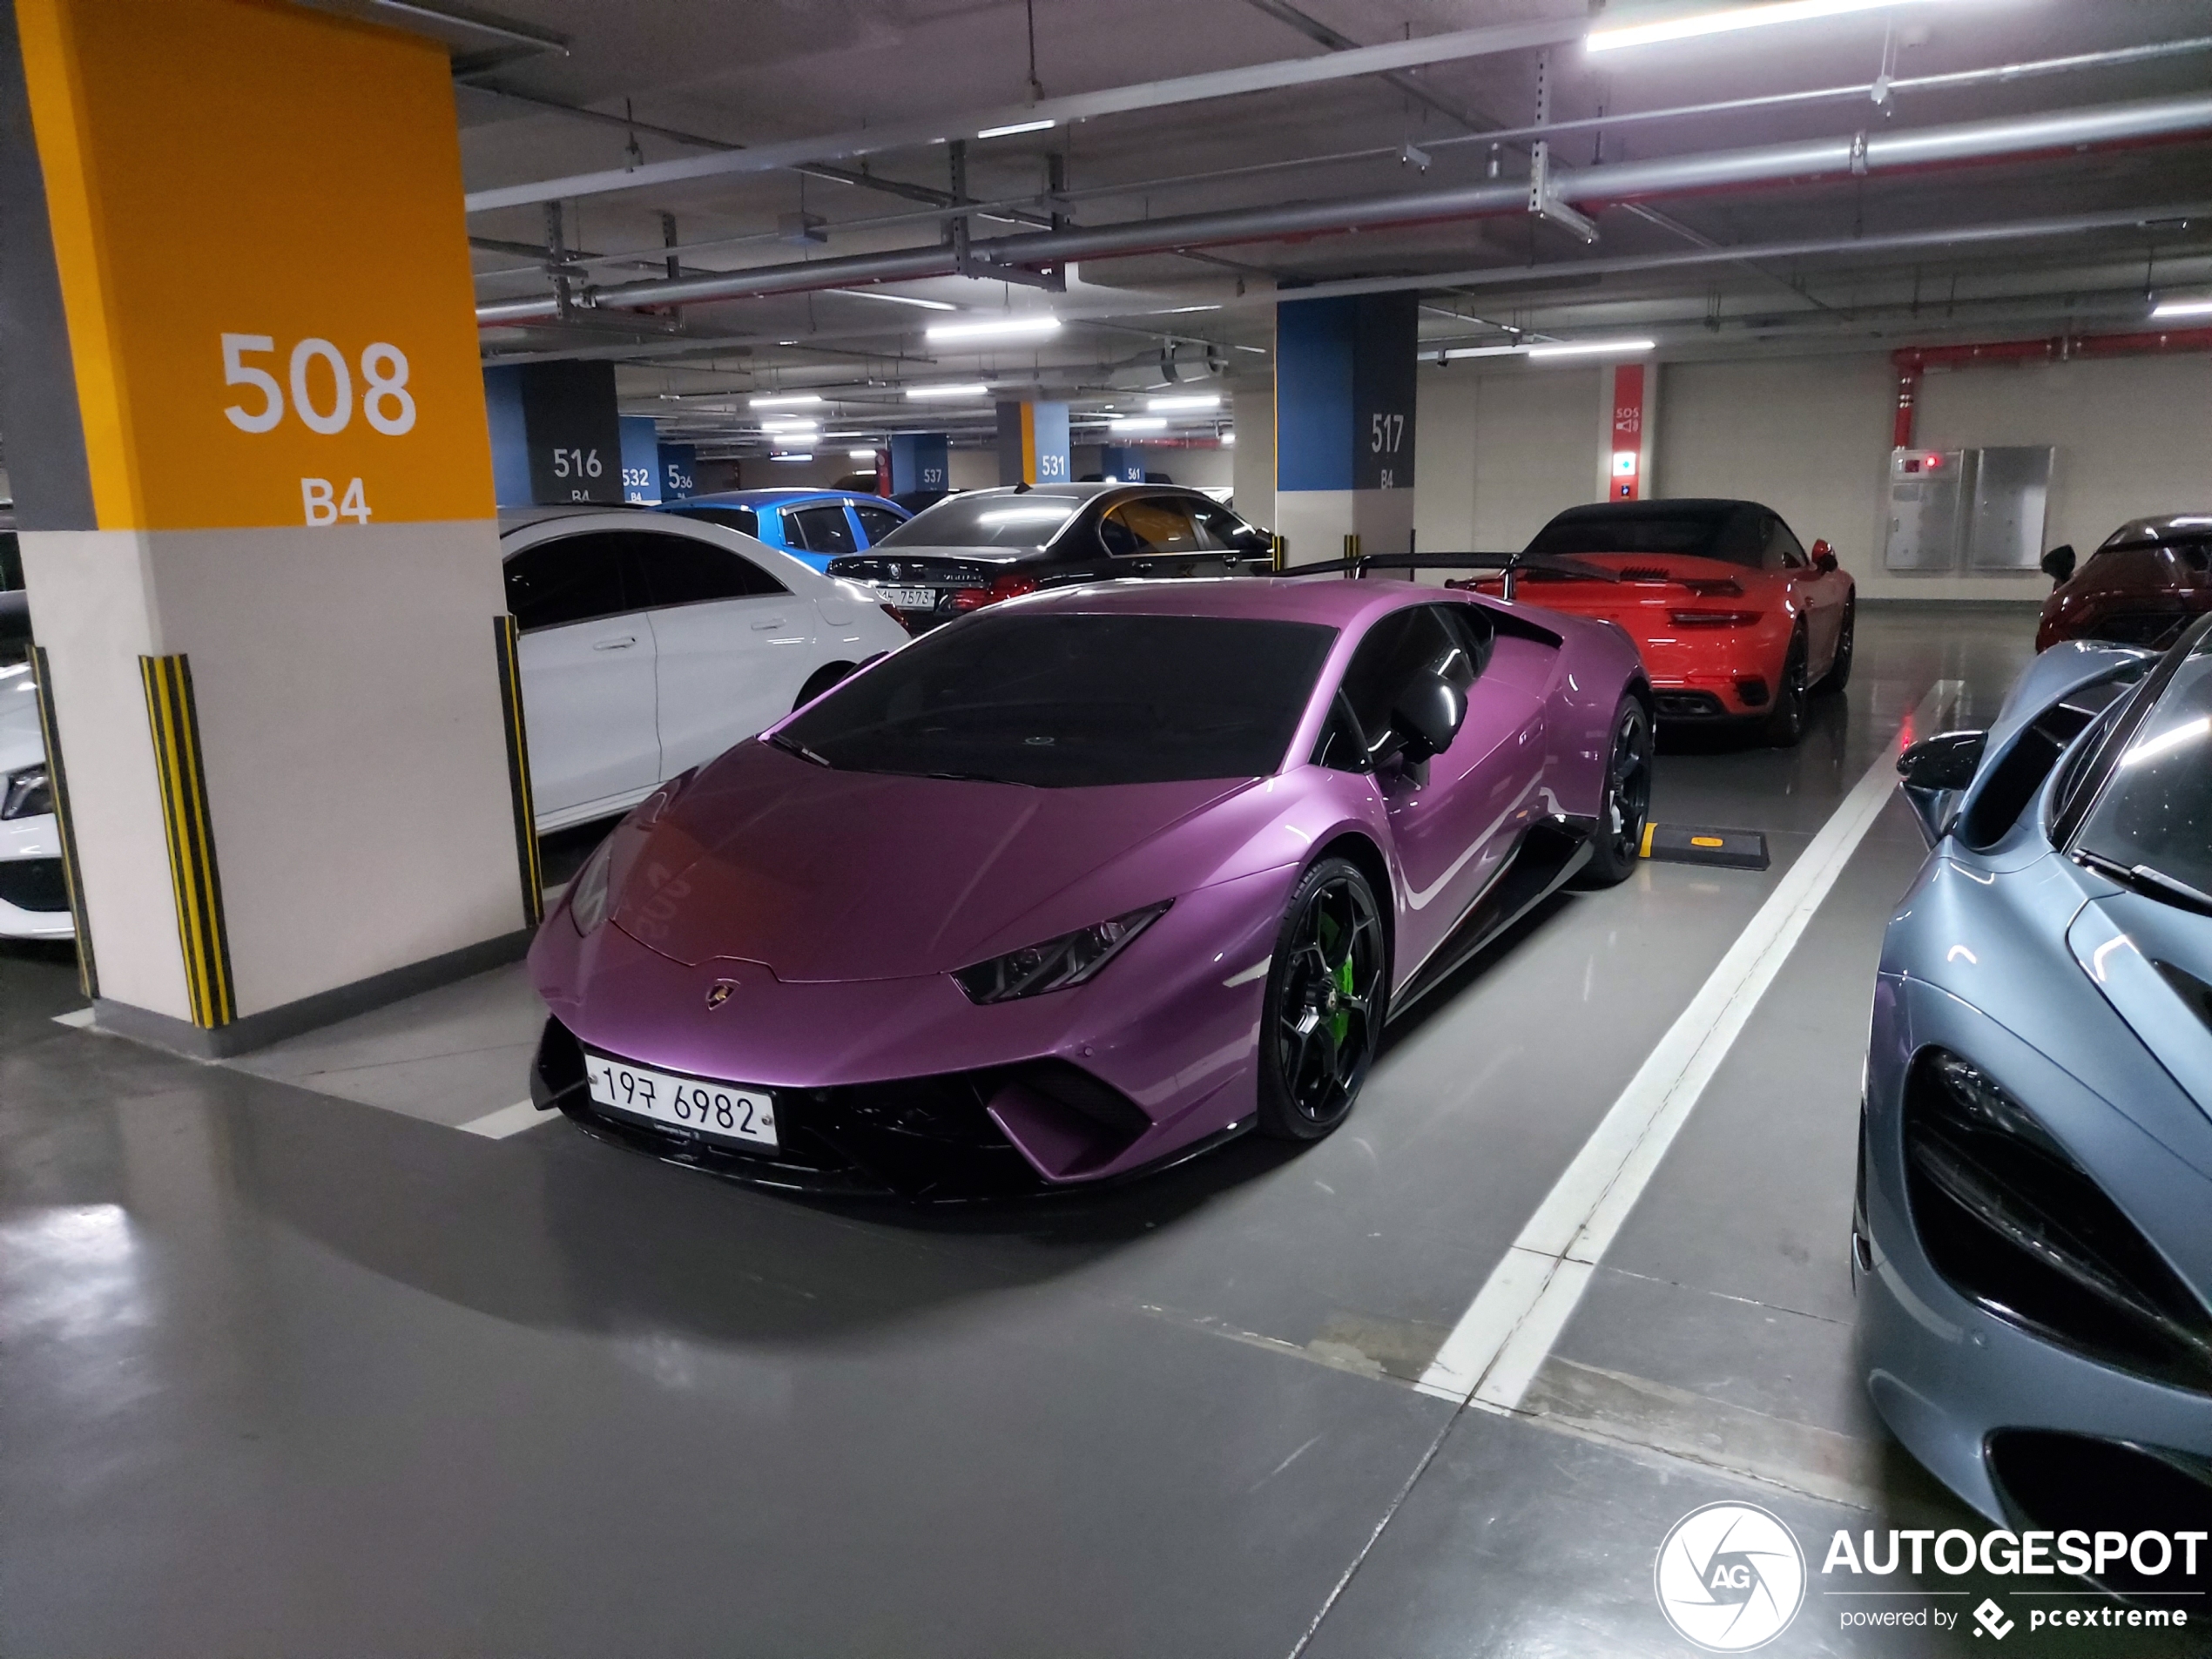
322 398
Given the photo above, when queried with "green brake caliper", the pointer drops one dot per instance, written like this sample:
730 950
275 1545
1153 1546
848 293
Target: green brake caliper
1340 1022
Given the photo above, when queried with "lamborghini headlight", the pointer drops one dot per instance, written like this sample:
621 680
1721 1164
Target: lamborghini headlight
587 898
29 793
1057 964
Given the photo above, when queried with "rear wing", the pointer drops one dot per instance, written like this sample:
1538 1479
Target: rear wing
1507 566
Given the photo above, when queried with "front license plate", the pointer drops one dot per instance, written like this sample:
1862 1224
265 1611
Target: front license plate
910 598
717 1109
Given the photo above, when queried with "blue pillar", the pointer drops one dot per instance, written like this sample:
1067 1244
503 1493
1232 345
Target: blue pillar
920 462
510 461
1033 444
640 460
1344 410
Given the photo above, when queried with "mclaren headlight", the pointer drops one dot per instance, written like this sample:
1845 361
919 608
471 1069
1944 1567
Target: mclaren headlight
588 897
1057 964
30 793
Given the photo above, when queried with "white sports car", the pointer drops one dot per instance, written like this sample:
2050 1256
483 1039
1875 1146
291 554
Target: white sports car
650 643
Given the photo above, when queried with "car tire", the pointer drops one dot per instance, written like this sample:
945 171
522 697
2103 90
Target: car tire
1328 992
1838 674
819 681
1785 723
1617 843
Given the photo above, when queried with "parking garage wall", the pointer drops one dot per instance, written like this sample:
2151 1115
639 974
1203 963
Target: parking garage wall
1499 450
1505 446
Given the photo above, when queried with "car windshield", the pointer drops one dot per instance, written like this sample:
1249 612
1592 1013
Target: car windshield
1704 532
989 518
2155 813
1061 700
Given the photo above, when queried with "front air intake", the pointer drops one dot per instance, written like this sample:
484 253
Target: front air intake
2111 1490
2015 1226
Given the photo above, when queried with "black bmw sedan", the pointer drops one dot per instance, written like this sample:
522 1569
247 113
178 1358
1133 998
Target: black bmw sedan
984 545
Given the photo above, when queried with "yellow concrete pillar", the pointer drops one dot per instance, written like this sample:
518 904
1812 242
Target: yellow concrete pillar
246 430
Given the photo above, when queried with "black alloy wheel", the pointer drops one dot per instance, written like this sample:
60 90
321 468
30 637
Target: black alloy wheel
1618 840
1327 996
1785 725
1839 675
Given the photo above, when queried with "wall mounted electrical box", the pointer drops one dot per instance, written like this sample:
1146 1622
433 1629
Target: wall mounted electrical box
1953 510
2005 522
1926 524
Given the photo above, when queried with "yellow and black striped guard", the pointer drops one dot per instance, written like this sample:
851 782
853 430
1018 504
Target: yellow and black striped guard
192 871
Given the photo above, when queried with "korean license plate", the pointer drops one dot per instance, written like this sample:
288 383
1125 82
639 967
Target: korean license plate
909 598
717 1109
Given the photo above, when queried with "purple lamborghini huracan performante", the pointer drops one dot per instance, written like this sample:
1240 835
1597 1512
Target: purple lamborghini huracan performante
1083 883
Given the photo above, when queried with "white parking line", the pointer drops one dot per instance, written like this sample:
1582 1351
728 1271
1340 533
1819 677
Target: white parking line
1494 1352
508 1120
79 1018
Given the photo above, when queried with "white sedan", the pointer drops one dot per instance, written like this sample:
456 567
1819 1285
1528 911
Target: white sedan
34 902
650 643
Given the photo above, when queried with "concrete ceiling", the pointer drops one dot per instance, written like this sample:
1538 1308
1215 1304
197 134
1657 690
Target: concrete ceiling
775 71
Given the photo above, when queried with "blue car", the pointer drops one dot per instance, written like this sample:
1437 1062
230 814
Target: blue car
815 525
2033 1235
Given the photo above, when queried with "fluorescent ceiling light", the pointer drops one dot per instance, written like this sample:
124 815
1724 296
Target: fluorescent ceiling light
2182 308
860 455
791 428
1138 424
786 401
809 456
1590 348
895 298
949 391
1229 440
1720 23
1042 322
1008 132
1196 401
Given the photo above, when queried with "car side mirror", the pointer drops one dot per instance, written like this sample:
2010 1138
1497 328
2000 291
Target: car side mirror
1936 772
1426 717
2058 563
1823 557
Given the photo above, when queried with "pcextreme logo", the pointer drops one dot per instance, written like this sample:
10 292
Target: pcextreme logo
1729 1577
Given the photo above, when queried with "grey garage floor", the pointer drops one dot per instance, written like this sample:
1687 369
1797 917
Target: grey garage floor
292 1366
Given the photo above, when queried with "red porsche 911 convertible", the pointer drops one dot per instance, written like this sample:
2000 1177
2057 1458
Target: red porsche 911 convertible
1734 618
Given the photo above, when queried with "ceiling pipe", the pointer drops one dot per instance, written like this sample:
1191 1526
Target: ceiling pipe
2057 349
1455 47
1914 361
1859 155
1961 236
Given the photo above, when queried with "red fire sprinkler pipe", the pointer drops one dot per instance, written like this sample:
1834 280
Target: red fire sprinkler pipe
1913 361
1908 394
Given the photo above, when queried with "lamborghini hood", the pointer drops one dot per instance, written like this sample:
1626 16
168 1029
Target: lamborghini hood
821 874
